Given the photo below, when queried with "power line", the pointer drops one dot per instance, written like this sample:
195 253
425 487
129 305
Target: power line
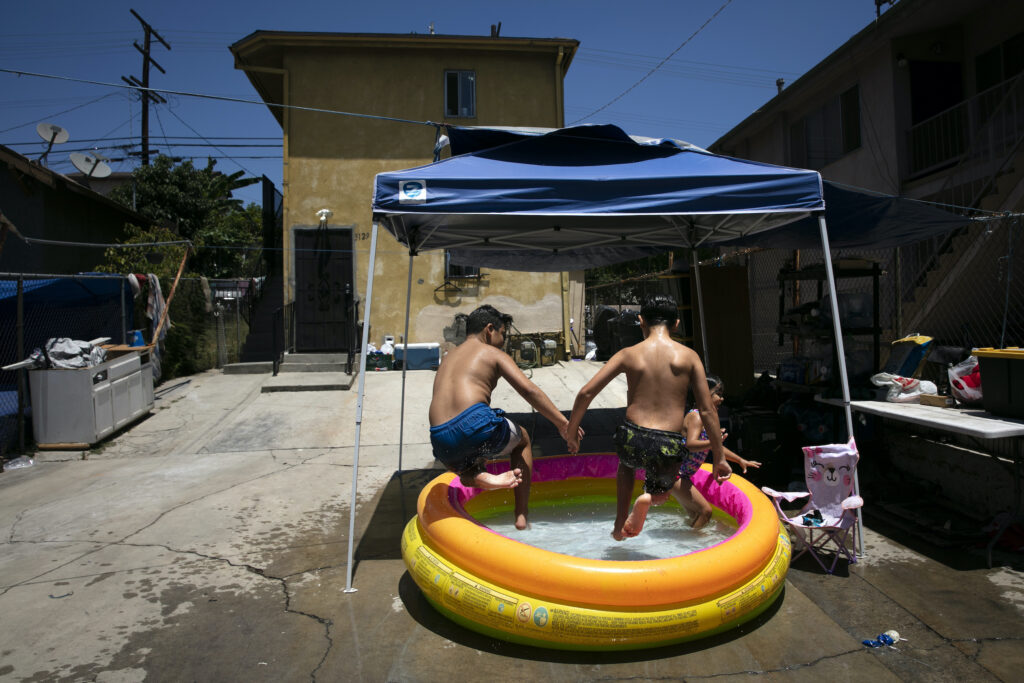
658 66
211 144
36 120
775 72
184 141
220 98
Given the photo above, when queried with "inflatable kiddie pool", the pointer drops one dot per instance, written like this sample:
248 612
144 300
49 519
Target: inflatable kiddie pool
503 588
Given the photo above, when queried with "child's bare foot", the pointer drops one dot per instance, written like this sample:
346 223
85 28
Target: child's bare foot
617 533
521 522
505 480
635 522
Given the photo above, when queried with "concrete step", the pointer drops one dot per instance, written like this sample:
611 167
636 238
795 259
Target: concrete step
312 367
249 368
320 381
315 358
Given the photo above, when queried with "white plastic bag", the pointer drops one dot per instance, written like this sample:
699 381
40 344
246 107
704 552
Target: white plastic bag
903 389
965 381
17 463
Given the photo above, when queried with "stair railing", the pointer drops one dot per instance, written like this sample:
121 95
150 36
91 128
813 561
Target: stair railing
995 131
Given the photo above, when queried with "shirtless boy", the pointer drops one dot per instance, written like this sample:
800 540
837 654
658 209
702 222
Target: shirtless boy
465 431
659 373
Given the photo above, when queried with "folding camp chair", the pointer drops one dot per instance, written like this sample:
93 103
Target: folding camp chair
830 516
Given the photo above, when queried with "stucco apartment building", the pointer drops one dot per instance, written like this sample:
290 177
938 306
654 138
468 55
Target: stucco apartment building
399 82
925 102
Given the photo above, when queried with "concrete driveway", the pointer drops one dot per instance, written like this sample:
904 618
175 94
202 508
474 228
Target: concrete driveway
209 543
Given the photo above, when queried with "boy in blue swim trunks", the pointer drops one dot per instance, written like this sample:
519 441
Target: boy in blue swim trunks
465 431
659 374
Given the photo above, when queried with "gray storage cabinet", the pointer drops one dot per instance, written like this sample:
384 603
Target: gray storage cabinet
84 405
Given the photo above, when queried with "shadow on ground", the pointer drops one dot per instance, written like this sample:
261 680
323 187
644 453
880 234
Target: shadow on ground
393 508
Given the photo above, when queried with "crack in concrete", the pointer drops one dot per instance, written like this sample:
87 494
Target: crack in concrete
14 524
282 581
142 528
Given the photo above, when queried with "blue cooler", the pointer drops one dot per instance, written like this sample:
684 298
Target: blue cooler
423 356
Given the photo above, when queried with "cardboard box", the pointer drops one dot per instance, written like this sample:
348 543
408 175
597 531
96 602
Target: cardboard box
940 401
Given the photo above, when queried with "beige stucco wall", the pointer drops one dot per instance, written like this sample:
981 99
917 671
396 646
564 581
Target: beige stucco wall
331 161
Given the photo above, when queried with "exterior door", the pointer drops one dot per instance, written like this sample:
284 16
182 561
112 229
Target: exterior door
324 319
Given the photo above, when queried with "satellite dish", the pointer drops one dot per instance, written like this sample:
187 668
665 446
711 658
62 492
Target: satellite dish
53 135
92 166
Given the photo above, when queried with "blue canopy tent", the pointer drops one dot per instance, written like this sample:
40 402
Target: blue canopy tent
583 197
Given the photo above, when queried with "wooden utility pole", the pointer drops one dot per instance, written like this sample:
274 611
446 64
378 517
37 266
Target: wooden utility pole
146 95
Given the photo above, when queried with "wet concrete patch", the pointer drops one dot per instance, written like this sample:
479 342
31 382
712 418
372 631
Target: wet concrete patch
166 620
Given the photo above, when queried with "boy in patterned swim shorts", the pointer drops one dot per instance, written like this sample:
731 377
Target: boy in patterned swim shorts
659 374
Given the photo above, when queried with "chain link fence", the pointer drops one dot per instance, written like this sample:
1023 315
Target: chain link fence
205 333
968 292
969 297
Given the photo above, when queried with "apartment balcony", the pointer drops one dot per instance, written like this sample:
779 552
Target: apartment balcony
980 131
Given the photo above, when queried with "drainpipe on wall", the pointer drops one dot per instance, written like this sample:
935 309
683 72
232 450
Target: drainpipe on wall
559 105
563 276
287 272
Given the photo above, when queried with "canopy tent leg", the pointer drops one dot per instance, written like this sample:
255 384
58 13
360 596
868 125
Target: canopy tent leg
405 363
360 394
700 312
841 362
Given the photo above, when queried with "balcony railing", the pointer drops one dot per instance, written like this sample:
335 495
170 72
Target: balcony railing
984 127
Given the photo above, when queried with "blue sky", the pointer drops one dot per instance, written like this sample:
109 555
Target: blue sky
721 75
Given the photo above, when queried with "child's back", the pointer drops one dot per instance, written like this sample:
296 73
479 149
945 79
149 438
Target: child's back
658 372
467 376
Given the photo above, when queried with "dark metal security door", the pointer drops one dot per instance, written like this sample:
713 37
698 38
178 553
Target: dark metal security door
323 290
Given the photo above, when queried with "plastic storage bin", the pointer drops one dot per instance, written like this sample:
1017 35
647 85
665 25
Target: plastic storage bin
422 356
1002 381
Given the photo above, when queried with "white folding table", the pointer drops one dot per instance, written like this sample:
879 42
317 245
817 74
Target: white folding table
973 422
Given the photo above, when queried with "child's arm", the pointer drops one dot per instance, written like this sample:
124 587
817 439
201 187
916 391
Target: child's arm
587 394
693 429
530 391
709 417
742 462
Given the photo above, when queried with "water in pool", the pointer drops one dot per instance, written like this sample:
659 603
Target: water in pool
583 529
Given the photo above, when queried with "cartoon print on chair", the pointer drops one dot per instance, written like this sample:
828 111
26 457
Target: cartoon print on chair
830 474
828 520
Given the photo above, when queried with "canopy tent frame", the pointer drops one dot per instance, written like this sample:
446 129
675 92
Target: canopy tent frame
837 329
483 208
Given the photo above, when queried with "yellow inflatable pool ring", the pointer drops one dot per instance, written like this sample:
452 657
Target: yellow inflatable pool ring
495 585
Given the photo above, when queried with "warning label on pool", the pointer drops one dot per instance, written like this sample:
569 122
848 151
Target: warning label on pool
457 590
496 609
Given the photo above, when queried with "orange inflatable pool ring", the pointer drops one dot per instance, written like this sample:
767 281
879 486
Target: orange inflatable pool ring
507 589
